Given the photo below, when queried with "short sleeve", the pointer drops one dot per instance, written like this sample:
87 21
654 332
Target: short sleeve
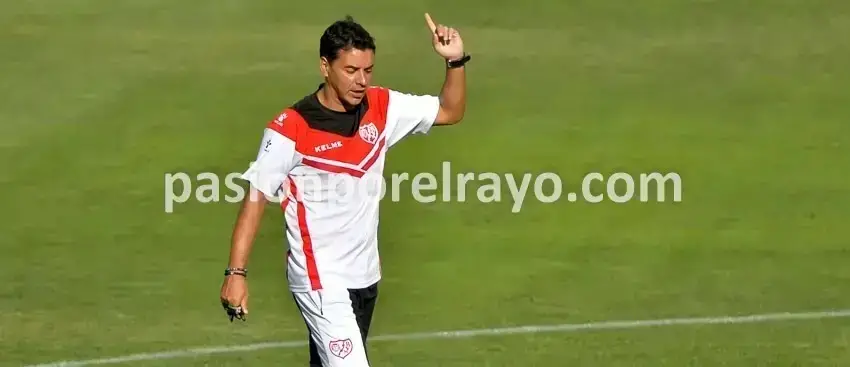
276 157
409 114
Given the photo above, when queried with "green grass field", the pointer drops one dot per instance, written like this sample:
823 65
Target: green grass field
749 101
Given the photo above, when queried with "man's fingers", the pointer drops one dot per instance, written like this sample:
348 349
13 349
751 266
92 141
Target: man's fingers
441 32
431 25
232 301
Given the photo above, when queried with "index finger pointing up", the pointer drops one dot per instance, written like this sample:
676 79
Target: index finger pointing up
430 22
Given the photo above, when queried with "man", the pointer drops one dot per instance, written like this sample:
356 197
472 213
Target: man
342 130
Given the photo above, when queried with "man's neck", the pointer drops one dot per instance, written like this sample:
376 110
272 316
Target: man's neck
328 98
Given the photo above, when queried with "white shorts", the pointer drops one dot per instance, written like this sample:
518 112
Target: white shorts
333 327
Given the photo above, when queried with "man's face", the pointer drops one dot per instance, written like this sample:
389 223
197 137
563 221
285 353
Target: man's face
350 74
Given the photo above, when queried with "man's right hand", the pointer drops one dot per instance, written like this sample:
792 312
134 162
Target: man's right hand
234 292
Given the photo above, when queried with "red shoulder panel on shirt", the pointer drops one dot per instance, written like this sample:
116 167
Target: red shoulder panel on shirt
379 99
286 123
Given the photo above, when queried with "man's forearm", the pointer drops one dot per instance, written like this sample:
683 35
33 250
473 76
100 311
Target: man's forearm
245 230
453 94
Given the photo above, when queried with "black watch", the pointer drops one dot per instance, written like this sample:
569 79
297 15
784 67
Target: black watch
451 64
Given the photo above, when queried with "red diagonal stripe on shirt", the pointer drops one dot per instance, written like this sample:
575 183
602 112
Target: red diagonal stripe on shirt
375 156
312 269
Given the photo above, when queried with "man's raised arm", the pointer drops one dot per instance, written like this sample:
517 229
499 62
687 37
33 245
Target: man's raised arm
449 45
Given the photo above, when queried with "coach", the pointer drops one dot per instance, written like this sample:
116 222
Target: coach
342 130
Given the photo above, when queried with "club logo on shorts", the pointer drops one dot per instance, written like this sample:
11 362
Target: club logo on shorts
369 133
341 348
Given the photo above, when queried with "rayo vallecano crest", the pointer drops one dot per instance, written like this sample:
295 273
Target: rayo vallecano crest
369 133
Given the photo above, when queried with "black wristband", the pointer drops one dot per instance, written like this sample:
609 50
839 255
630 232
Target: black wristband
451 64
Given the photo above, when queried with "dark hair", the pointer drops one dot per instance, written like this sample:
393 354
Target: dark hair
344 35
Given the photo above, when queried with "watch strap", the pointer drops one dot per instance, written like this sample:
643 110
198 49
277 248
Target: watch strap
451 64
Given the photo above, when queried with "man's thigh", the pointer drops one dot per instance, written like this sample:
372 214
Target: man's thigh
333 326
363 301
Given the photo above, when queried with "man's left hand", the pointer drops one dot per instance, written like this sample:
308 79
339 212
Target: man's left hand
447 41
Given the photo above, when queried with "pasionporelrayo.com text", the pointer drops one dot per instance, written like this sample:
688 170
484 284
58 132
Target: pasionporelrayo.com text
447 186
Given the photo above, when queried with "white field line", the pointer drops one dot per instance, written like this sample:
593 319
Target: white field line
530 329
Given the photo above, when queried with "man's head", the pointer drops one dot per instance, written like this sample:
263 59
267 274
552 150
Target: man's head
347 54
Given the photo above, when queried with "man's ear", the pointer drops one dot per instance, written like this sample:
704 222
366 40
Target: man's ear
324 66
